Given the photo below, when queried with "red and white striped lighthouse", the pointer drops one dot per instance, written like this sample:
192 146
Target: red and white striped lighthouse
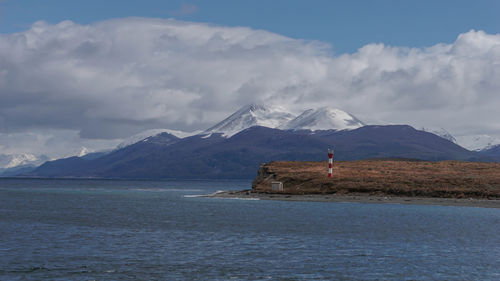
330 163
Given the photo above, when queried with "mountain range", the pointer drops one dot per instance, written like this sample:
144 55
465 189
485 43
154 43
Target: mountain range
236 146
13 164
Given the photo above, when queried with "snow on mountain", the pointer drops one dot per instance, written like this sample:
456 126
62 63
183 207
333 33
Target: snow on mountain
323 119
440 132
83 151
78 152
24 159
249 116
477 142
153 132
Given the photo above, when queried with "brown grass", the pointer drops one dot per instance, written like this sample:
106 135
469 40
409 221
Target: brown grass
453 179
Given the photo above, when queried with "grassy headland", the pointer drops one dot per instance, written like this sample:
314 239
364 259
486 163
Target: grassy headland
406 178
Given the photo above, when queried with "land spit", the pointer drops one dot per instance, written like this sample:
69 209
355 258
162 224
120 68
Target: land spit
379 181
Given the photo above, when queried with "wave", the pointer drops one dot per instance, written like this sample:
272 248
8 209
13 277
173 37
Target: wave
240 198
165 189
214 195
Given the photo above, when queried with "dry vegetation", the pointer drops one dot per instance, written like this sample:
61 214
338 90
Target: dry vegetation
453 179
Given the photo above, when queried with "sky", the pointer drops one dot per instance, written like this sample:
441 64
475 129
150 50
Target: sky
90 73
346 25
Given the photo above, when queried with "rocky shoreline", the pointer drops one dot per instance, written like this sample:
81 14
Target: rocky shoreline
358 198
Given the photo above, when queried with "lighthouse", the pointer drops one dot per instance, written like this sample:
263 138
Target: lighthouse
330 163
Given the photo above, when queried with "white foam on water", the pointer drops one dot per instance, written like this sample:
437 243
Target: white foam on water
213 195
165 189
203 195
240 198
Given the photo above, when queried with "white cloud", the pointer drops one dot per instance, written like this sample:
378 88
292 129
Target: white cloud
112 79
53 143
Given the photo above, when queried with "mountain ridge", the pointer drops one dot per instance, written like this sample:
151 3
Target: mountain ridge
250 129
249 116
324 118
238 156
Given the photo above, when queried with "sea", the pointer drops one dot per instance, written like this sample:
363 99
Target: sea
68 229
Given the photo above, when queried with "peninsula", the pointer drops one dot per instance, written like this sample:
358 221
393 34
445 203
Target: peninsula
391 180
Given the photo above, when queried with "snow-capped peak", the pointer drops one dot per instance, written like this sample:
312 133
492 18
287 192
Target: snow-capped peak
78 152
478 142
22 159
249 116
324 118
153 132
440 132
83 151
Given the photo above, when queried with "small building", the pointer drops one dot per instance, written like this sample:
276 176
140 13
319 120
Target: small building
276 186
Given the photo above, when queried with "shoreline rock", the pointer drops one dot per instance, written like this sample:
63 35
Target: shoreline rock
358 198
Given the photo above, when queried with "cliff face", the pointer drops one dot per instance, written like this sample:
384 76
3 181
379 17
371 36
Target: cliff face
383 177
264 177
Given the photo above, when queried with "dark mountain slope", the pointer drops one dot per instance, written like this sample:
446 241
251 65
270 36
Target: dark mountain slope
493 152
399 141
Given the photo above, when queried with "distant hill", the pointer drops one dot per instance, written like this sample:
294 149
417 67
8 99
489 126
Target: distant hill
492 152
238 156
17 170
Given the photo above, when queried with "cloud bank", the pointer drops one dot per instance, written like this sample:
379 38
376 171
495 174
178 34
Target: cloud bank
112 79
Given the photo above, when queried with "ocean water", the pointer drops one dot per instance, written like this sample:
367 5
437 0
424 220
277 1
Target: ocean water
156 230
